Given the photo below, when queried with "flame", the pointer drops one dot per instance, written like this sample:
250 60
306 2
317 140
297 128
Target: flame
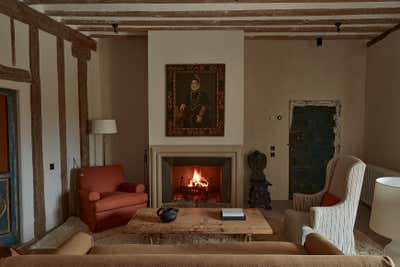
197 180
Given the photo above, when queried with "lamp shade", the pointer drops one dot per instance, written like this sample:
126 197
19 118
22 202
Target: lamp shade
104 127
385 213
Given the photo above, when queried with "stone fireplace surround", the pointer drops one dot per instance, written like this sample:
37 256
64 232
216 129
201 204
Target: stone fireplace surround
157 153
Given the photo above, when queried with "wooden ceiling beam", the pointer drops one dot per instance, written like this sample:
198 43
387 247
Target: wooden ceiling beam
230 13
24 13
31 2
88 22
246 29
383 35
309 37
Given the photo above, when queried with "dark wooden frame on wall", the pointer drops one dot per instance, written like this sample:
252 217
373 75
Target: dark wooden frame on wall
171 91
81 50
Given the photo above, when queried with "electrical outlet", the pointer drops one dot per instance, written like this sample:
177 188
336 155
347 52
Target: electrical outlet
272 154
51 166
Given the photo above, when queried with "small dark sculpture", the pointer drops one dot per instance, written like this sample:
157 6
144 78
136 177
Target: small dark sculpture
259 195
167 214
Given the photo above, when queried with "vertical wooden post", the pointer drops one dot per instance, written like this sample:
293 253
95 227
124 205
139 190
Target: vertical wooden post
37 146
83 55
63 128
12 31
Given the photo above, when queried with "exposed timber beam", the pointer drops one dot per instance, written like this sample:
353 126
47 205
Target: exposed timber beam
383 35
31 2
229 13
88 22
245 29
309 37
14 74
24 13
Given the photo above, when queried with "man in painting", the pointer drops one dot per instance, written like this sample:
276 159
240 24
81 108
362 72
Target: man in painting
195 108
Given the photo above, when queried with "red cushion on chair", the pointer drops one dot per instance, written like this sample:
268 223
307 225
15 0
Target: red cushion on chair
329 200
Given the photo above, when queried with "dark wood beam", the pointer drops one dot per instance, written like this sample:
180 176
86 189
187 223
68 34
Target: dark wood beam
383 35
12 32
309 37
31 2
83 55
245 29
24 13
62 128
87 22
260 37
36 125
230 13
14 74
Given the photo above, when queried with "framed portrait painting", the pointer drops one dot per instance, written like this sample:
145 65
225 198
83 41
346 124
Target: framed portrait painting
195 100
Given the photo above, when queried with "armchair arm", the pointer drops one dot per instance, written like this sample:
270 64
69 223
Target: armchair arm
303 202
323 218
89 196
131 187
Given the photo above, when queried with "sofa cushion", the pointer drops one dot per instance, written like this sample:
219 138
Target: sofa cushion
329 200
286 248
79 244
316 244
115 200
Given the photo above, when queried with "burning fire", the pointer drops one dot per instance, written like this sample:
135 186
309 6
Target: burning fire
197 180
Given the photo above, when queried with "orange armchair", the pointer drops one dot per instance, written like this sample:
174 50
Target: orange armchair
106 200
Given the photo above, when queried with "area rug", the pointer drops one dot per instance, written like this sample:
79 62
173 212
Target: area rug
364 245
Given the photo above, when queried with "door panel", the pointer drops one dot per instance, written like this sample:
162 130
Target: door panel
9 221
312 145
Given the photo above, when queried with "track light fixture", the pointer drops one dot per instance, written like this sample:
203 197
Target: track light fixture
338 24
319 41
115 27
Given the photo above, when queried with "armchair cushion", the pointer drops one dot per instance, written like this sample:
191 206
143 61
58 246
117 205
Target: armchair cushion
93 196
115 200
131 187
329 200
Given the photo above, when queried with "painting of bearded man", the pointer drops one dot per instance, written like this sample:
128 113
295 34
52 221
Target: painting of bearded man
195 100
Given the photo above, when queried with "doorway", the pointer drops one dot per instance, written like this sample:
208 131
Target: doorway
313 140
9 223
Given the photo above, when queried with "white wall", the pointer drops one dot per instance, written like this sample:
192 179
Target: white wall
191 47
382 110
280 71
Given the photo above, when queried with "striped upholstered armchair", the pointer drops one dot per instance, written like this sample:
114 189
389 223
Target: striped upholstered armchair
344 179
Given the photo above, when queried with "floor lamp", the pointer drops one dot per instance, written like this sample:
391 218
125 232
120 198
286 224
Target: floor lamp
103 127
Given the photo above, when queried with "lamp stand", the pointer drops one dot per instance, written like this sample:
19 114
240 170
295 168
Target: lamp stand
393 251
104 150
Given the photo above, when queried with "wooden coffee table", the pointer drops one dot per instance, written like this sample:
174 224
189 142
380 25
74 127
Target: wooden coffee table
199 221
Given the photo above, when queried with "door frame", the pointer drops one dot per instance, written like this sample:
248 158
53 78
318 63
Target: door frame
14 237
337 128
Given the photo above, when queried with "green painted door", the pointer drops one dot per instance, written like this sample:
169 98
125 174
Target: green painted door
312 145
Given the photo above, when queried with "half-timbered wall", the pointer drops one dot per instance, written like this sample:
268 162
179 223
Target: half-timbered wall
50 120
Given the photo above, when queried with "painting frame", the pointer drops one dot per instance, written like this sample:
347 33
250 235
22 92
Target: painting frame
214 74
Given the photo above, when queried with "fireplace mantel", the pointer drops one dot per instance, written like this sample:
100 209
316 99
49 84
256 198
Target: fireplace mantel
157 153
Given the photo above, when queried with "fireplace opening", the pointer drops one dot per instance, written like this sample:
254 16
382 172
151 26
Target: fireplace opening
196 180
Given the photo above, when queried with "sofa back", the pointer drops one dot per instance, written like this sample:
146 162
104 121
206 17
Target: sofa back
101 178
195 261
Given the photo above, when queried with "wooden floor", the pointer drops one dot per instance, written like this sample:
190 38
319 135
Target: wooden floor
362 221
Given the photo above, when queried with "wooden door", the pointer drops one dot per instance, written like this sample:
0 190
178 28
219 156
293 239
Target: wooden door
312 145
9 223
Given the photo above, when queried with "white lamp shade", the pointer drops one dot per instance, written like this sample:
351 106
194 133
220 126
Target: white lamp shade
385 214
104 127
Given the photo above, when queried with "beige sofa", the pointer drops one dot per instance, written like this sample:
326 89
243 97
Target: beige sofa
79 251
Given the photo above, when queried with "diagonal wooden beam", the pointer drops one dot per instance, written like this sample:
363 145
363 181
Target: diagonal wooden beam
14 74
24 13
87 22
245 29
229 13
383 35
31 2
